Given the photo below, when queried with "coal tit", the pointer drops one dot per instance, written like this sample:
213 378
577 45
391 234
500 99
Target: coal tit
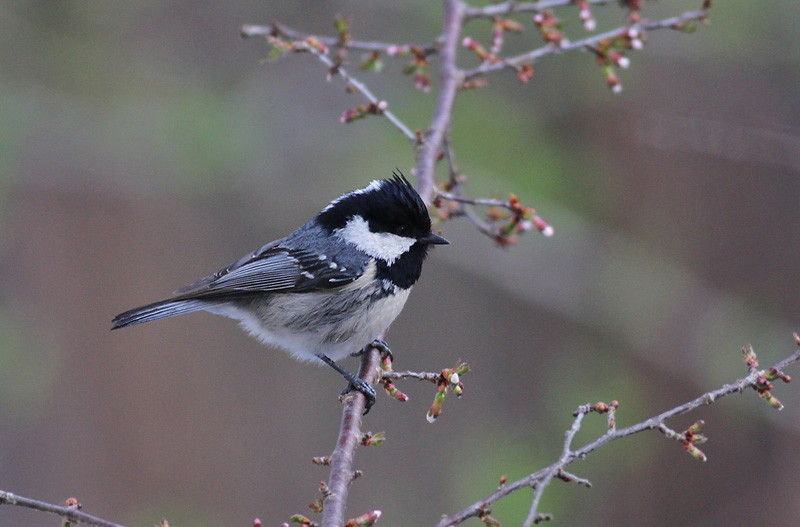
329 288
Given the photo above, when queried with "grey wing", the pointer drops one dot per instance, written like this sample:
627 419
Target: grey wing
273 269
205 282
277 271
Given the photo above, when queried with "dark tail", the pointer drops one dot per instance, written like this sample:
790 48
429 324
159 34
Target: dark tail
156 310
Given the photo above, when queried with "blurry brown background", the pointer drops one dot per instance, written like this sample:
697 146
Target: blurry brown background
142 145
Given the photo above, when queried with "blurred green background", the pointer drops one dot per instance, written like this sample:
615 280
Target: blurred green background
143 145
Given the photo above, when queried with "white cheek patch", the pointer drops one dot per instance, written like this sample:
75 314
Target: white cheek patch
382 245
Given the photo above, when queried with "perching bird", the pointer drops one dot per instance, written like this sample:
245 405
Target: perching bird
328 289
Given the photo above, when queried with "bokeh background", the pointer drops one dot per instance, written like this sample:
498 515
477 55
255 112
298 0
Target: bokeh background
143 145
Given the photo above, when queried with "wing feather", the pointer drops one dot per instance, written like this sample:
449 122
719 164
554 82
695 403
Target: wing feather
273 269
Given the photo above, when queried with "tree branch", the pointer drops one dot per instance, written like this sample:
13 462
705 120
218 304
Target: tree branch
451 79
509 8
541 478
253 30
333 513
550 49
278 29
70 513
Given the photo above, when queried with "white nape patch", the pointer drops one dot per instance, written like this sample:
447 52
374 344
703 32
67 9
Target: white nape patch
382 245
374 185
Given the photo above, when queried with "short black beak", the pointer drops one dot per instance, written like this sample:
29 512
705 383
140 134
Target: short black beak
433 239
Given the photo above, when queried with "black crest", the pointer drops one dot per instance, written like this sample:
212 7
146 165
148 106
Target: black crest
389 205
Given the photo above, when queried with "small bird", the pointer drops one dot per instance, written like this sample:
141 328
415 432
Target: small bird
328 289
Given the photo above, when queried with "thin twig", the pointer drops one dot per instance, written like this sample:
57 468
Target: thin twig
509 8
550 49
422 375
486 202
483 227
553 470
70 513
353 82
539 479
361 87
278 29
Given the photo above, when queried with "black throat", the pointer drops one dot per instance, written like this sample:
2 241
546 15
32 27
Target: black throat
406 270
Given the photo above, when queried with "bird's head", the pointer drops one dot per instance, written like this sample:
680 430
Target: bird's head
385 219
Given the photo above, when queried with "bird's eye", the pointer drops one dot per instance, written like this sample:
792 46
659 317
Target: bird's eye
401 230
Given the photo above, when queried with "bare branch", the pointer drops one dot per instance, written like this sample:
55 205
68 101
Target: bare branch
521 218
334 68
511 7
361 87
278 29
349 438
540 479
68 512
451 79
550 49
429 376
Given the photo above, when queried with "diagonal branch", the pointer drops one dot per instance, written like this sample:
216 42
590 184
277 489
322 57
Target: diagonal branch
531 56
70 513
542 478
253 30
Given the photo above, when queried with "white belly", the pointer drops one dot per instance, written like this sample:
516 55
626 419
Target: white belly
292 321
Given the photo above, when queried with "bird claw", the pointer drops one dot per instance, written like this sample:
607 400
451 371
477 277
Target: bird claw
379 345
360 385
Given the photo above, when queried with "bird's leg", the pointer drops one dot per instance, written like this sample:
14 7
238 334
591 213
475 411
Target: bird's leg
355 383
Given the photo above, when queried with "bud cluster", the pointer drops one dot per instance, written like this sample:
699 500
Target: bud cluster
518 219
485 515
549 27
481 52
763 382
691 437
586 16
514 217
365 520
387 382
363 110
418 68
449 378
611 54
499 28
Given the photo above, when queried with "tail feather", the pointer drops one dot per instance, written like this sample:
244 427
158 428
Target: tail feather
156 310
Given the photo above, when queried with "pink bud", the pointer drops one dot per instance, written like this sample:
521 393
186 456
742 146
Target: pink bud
543 227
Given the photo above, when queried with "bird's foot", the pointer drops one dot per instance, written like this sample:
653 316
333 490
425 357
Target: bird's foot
379 345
